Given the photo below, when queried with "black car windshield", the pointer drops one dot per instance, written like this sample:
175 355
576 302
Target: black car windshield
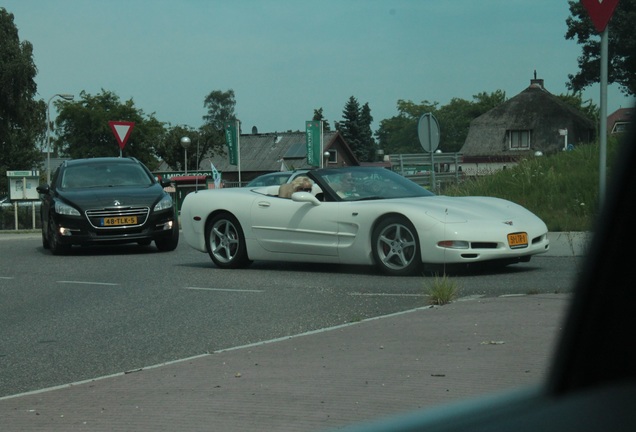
104 175
365 183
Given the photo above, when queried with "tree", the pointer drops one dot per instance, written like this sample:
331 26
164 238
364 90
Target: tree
319 117
398 134
203 146
22 118
367 143
349 128
455 118
220 106
356 129
621 47
83 130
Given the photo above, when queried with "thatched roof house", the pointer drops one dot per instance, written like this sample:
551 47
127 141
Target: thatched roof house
533 121
278 151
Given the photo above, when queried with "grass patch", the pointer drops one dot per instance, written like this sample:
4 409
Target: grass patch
441 290
562 188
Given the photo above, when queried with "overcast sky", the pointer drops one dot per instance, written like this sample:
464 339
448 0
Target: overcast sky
285 58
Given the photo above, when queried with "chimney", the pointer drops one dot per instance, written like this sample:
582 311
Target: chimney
536 82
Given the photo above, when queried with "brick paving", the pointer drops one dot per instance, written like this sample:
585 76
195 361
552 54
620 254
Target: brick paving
320 380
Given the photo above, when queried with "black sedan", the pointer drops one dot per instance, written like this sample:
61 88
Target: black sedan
106 201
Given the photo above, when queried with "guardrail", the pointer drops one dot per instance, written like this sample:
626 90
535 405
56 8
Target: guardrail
417 167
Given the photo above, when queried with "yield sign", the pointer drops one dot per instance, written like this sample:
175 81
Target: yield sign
122 130
600 12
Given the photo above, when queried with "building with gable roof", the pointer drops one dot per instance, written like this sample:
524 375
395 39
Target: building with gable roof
533 122
620 120
262 153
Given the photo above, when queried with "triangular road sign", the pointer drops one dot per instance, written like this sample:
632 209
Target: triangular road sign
600 12
122 131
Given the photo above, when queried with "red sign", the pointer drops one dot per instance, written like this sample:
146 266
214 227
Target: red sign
122 131
600 12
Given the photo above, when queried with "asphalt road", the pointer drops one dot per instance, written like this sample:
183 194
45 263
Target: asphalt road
106 310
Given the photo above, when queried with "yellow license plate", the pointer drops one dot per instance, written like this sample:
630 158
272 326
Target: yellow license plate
116 221
518 240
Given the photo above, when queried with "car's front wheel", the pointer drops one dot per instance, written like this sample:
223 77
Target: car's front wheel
225 242
56 247
169 243
45 241
395 246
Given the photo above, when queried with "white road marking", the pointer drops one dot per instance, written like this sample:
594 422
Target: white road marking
223 289
88 283
387 295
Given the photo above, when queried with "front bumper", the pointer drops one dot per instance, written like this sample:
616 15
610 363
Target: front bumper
78 231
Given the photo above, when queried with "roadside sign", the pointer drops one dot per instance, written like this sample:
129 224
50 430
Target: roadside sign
122 131
600 12
23 173
428 132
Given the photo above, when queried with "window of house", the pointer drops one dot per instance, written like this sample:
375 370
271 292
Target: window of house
519 139
620 127
333 156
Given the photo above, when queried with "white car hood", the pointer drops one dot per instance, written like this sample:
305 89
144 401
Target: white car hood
461 209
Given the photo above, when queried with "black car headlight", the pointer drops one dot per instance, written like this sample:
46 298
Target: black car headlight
165 203
65 209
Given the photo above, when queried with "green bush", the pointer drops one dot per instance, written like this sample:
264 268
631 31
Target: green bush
562 189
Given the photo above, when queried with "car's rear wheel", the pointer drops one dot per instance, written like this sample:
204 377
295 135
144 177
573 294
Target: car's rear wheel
56 247
395 246
225 242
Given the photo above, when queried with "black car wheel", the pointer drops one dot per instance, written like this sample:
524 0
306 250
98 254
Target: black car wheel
395 246
45 242
56 247
169 243
225 242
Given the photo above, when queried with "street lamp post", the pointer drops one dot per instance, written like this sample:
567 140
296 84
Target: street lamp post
185 143
64 96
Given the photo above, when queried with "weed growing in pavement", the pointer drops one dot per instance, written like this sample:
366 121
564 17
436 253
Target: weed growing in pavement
441 290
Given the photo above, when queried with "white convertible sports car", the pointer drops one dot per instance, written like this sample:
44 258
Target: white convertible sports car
361 216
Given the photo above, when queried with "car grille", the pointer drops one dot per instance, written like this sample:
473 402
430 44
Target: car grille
97 217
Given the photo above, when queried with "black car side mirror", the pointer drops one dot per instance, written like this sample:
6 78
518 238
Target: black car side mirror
43 188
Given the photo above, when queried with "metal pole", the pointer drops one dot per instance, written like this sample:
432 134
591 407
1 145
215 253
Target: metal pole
603 117
48 132
48 141
432 150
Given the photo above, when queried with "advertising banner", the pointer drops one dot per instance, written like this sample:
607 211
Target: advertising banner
232 138
313 136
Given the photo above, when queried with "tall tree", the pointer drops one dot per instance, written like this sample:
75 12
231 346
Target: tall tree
318 116
367 143
220 106
22 118
621 47
83 129
356 129
349 128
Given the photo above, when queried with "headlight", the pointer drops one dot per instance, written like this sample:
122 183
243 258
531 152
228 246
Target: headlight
64 209
165 203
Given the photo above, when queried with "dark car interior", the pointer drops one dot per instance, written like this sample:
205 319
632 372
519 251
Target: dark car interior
591 385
